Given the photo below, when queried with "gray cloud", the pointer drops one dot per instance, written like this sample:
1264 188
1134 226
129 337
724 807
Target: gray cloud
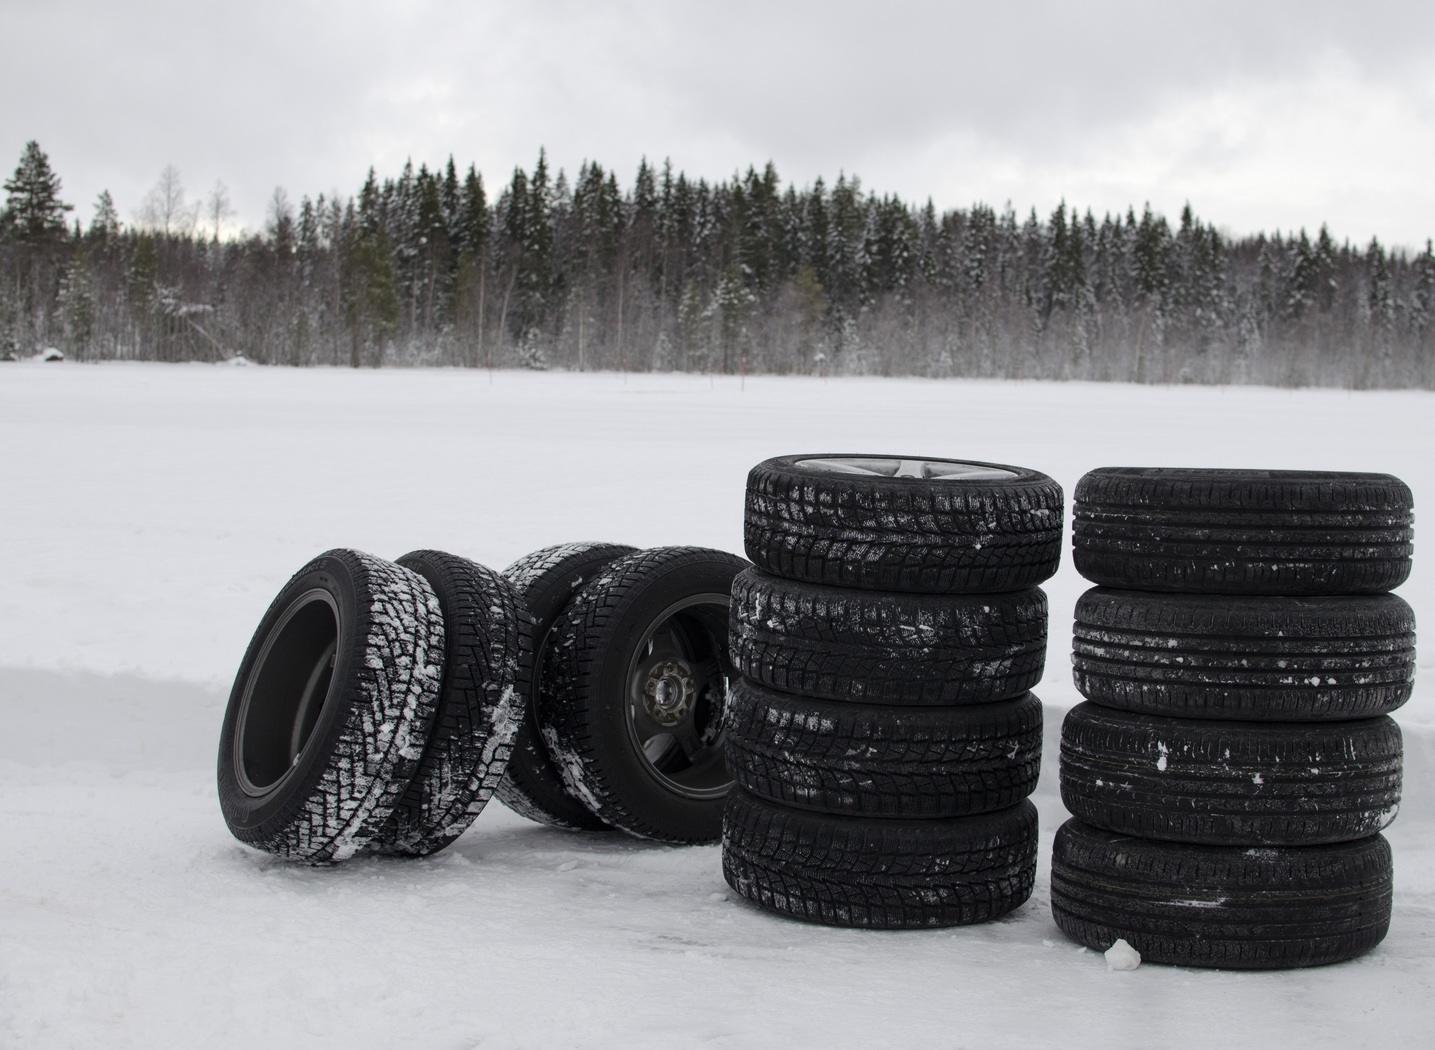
1263 114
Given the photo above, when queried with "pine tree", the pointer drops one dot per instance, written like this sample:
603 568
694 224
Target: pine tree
33 211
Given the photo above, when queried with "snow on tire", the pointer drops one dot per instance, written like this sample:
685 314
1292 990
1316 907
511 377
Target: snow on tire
879 874
1257 659
893 524
883 761
1288 532
1230 783
546 580
482 702
328 716
846 644
636 680
1221 906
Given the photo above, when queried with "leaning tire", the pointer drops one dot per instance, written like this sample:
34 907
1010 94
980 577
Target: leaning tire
882 761
481 705
1224 907
850 521
845 644
546 581
328 716
1230 783
1243 531
636 676
879 874
1259 659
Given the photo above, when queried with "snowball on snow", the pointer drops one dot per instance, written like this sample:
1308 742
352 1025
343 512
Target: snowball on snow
1121 956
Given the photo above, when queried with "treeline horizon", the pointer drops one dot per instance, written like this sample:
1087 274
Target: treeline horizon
670 273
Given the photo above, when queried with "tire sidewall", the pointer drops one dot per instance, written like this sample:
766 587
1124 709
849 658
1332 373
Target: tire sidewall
256 818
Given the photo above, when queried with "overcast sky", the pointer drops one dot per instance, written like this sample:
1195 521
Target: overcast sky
1263 115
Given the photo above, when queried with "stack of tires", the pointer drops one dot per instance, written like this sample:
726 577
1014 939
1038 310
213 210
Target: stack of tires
882 733
380 705
1235 762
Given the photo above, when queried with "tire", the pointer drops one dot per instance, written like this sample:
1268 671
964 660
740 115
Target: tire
1223 907
808 521
608 693
843 644
1258 659
481 705
1230 783
364 640
546 581
880 761
879 874
1287 532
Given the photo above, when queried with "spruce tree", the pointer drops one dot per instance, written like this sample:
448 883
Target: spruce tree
34 212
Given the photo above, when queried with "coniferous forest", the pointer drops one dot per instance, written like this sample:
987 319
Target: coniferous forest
671 273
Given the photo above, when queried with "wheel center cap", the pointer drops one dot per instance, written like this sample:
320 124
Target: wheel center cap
669 692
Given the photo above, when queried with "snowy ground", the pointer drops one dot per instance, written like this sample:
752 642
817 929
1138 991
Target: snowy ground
148 514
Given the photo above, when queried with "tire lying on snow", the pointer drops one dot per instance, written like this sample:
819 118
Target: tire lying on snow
883 761
636 677
892 524
546 580
328 716
1243 531
879 874
1236 783
1225 907
481 703
1259 659
845 644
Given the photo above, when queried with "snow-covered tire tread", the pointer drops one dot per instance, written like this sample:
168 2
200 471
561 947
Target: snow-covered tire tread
1230 783
386 706
883 761
893 534
482 701
546 579
841 643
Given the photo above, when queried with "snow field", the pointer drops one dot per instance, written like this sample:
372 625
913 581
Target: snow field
150 514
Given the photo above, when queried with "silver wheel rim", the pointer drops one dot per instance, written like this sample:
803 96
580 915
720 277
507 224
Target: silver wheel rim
907 469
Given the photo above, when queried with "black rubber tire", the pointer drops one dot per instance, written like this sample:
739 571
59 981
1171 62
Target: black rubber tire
1230 783
1222 907
899 534
1243 531
375 662
879 874
1254 659
883 761
546 580
481 705
838 643
583 707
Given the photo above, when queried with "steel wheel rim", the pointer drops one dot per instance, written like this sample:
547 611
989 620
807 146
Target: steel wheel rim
675 697
908 469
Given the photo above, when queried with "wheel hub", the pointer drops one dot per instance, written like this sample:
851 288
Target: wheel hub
669 692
